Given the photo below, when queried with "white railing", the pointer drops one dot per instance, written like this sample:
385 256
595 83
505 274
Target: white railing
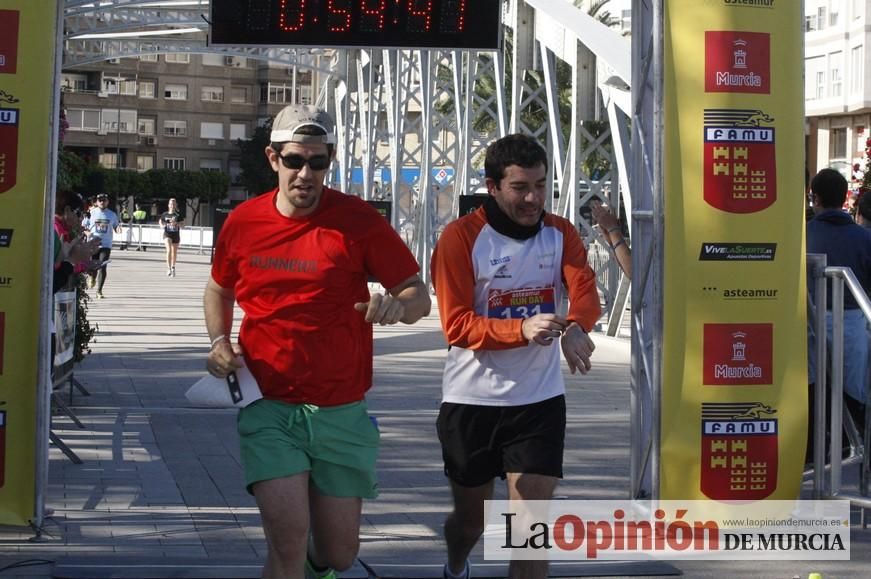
827 479
151 235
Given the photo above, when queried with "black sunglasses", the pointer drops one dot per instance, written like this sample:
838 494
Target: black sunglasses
317 163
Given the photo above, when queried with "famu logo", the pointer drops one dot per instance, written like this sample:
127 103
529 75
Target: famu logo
715 251
739 450
9 118
739 160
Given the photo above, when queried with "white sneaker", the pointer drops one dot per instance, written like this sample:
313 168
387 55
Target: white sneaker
173 272
169 273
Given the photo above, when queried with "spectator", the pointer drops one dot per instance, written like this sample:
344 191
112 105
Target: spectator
612 231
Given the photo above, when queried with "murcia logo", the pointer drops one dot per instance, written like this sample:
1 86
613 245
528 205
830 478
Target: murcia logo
8 41
737 354
739 450
9 118
714 251
739 160
737 62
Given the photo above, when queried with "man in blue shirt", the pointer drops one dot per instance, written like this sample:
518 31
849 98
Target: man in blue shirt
101 223
833 232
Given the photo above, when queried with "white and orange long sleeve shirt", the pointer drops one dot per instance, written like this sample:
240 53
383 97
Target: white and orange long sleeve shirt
486 284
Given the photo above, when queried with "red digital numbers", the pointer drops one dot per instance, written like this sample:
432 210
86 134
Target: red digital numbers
339 15
369 16
453 16
372 17
296 15
419 17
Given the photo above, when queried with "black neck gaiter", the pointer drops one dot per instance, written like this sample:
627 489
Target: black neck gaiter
499 221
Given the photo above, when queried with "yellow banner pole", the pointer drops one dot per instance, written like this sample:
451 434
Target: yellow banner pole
28 125
734 397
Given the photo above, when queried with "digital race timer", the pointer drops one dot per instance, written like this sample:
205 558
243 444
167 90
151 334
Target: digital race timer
469 24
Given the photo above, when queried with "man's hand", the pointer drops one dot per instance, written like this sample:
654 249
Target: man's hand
381 309
543 328
224 358
577 348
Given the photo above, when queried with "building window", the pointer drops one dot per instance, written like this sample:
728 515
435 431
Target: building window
276 93
74 82
147 89
150 56
176 163
118 85
83 120
838 143
213 59
175 128
211 130
210 165
113 122
821 17
239 94
109 160
178 57
235 170
212 94
144 162
857 69
836 81
858 5
175 92
237 131
146 126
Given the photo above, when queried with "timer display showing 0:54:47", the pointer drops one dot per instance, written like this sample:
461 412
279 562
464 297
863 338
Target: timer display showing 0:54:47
377 23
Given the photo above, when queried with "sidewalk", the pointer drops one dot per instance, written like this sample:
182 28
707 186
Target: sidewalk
161 493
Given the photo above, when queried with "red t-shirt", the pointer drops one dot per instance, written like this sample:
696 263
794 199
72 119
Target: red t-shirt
297 280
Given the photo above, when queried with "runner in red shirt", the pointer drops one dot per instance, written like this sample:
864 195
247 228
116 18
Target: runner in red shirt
297 260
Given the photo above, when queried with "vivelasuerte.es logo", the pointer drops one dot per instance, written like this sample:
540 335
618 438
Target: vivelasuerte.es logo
715 251
5 281
673 529
740 293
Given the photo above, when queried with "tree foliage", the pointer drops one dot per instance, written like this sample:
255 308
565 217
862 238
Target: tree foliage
190 188
257 176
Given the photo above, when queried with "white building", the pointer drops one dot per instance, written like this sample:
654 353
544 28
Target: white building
837 96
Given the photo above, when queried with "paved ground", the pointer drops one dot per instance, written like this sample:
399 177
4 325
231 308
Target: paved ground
160 492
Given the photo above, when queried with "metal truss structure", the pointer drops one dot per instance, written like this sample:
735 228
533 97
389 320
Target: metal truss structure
562 76
432 110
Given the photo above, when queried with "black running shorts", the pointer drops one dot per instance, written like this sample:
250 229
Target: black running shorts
173 236
480 443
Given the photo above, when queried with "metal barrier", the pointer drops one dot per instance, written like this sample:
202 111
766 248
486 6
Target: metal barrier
831 487
142 235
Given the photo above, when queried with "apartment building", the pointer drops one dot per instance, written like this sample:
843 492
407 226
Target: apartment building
177 110
837 96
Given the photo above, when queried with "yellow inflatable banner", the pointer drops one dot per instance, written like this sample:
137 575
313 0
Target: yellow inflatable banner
27 56
734 394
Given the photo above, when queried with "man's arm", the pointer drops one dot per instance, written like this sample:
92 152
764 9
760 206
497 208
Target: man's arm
407 302
218 304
